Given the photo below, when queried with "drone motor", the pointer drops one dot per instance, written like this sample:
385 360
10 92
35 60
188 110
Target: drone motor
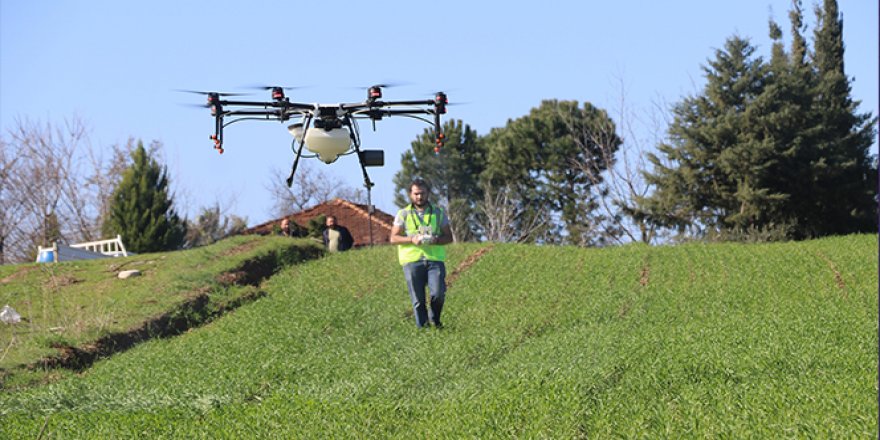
374 93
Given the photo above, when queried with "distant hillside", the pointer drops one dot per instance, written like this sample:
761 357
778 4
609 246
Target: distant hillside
721 340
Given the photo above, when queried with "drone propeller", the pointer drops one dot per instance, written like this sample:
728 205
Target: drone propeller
384 85
266 87
277 91
444 93
213 103
374 91
391 84
199 92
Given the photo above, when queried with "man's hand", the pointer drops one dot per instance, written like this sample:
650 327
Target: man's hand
417 239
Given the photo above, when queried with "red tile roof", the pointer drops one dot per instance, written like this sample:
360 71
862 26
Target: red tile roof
353 216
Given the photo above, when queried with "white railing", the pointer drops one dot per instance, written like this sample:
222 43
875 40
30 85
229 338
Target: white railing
112 247
83 251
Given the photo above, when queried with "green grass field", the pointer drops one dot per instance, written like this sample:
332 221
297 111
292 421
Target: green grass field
690 341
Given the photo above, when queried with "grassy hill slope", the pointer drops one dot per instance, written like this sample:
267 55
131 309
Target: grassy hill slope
724 340
79 310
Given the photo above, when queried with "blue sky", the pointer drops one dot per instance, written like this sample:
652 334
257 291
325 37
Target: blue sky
116 65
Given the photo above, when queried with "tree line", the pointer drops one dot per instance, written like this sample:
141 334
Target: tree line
769 149
54 186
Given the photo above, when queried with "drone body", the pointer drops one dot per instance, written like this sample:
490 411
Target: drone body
326 130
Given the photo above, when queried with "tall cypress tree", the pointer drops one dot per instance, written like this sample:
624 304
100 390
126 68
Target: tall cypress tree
141 209
845 173
787 122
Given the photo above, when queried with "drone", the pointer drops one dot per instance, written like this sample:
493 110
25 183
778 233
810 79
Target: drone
328 131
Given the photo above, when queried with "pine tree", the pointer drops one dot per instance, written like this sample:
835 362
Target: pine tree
141 209
553 158
711 176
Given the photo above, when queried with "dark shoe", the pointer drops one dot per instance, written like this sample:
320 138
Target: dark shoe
437 324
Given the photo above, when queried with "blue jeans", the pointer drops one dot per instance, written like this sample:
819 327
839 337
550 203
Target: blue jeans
432 274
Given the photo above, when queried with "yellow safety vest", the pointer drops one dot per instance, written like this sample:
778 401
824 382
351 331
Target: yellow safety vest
408 253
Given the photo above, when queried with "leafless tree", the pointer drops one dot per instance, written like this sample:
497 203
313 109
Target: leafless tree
41 190
54 185
354 195
11 204
620 186
310 187
211 225
106 173
504 219
461 216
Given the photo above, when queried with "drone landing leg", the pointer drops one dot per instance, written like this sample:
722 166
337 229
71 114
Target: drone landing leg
298 152
218 134
295 163
369 186
355 140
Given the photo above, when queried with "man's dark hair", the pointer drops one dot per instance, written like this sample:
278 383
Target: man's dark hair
420 183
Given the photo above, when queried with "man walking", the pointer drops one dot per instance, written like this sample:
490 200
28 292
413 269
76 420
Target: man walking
420 230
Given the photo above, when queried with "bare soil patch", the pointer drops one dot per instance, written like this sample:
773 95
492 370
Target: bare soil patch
251 273
466 264
838 278
18 274
645 274
242 248
55 282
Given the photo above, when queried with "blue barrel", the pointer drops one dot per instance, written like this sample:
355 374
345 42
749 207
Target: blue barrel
46 256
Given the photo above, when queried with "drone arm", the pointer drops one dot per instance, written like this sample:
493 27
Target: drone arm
405 103
379 105
266 105
278 110
267 113
392 112
377 113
